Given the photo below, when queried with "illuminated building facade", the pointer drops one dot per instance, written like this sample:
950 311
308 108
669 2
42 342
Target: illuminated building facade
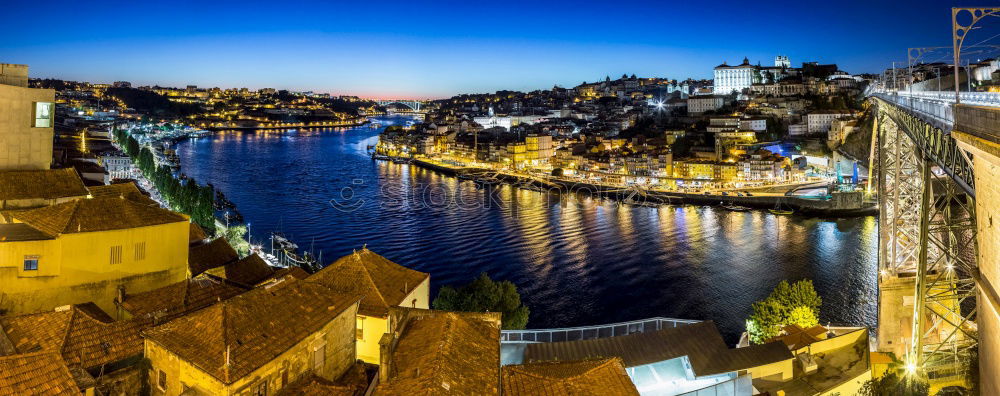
26 121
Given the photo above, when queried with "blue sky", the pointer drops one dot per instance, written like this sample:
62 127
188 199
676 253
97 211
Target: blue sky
441 48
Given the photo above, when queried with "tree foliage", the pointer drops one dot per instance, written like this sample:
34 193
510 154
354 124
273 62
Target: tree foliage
796 303
485 295
184 196
894 383
236 236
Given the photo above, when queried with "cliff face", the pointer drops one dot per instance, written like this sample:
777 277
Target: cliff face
858 144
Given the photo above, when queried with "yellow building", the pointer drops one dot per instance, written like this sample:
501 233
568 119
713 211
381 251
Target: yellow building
26 121
89 250
383 284
256 343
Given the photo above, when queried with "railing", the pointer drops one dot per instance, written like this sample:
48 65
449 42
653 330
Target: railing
933 139
591 332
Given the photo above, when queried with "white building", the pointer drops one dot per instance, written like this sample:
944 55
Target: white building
819 122
733 78
798 129
701 104
782 61
492 121
754 124
118 165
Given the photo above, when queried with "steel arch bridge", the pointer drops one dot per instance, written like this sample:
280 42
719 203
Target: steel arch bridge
928 270
414 105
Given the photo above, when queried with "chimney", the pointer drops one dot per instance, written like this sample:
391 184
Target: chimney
385 357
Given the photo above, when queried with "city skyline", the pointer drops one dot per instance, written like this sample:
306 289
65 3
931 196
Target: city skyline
409 51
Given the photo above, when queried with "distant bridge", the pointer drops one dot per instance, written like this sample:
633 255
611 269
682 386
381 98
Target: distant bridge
414 105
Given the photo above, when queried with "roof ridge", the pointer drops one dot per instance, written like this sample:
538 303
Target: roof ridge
437 360
369 278
520 370
227 363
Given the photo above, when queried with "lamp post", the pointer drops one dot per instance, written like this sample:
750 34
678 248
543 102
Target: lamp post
959 32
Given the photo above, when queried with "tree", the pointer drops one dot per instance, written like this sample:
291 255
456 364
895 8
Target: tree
803 317
485 295
557 172
893 383
796 303
236 236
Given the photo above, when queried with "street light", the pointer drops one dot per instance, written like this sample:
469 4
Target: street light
960 32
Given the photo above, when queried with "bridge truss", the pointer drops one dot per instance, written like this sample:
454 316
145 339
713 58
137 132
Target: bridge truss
927 236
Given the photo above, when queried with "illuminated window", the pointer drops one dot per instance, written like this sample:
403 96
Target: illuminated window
360 333
43 115
31 263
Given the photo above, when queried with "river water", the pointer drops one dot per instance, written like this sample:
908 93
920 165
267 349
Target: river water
577 260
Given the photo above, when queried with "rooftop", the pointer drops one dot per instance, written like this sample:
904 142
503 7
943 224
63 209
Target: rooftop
41 184
38 373
82 335
216 253
700 342
97 214
181 297
583 377
438 351
248 271
382 282
232 338
122 190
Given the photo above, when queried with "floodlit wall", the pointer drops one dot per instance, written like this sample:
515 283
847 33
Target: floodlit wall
77 268
371 328
335 339
26 130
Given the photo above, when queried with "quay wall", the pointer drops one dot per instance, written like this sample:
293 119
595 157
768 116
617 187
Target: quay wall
840 204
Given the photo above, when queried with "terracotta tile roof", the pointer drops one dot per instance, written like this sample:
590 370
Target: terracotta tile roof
383 283
196 234
20 232
252 328
294 271
700 342
181 297
248 271
214 254
45 184
80 337
581 377
97 214
39 373
444 352
122 190
312 385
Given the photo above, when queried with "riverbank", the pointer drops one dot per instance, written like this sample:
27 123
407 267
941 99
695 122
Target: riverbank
840 204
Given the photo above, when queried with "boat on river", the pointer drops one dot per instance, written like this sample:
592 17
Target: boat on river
736 208
778 210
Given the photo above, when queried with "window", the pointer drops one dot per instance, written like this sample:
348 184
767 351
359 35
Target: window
161 380
116 254
360 332
31 263
260 389
43 115
284 378
140 251
319 357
